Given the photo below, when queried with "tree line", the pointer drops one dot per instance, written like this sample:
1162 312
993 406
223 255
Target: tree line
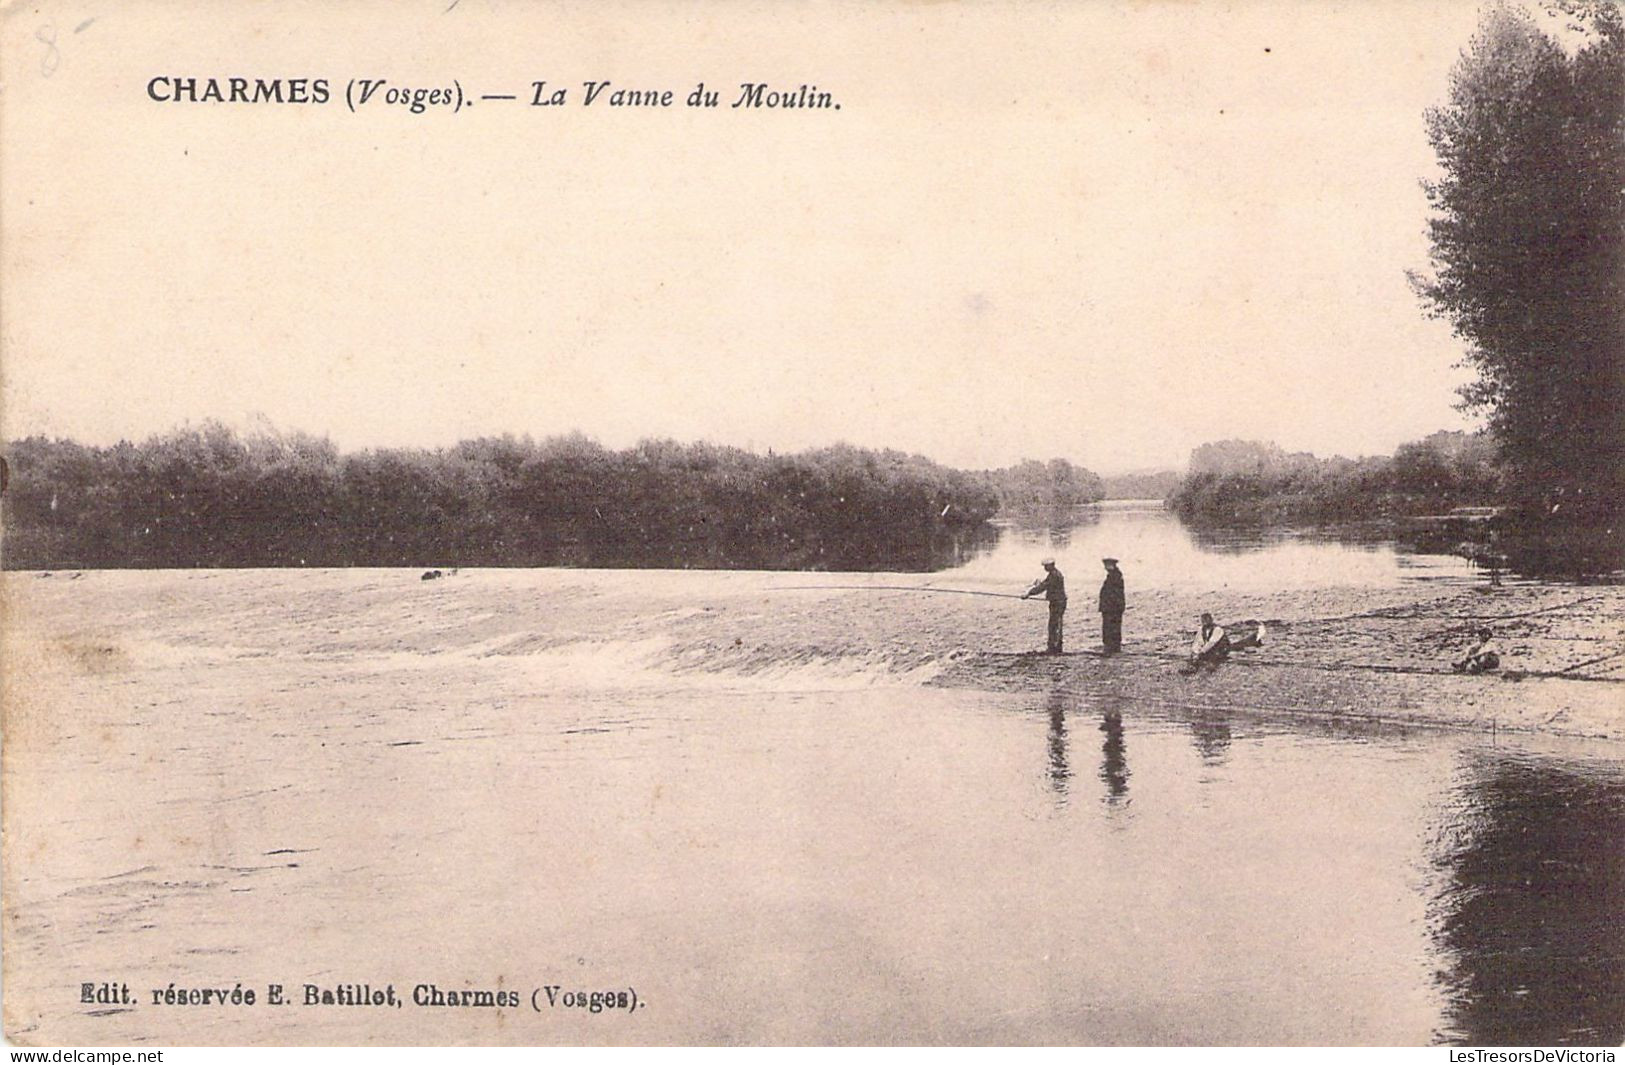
1451 492
1056 484
1248 482
209 497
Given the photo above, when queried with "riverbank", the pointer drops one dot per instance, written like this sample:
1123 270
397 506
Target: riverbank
1331 653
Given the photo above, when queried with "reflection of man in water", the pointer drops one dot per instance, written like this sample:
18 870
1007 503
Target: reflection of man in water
1113 599
1114 760
1211 733
1053 585
1059 772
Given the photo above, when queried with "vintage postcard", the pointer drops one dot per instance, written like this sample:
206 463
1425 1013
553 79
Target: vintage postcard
835 523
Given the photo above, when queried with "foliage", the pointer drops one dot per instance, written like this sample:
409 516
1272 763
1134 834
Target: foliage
1045 485
1151 484
1251 482
1251 458
1528 246
207 497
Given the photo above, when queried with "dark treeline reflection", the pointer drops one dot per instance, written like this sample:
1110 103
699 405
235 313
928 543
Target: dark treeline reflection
1049 527
1553 549
209 497
1532 916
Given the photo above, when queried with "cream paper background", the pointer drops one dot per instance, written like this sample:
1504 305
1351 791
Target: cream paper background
1031 229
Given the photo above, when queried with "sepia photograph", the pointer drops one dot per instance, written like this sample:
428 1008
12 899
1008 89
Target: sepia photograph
656 523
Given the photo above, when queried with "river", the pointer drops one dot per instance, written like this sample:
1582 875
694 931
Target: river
331 777
1162 552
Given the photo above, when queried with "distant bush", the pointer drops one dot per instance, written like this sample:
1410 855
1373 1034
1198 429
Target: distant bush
1409 497
1045 485
208 497
1156 484
1248 482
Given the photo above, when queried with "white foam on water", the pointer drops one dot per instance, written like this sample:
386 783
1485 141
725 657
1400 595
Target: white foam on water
660 662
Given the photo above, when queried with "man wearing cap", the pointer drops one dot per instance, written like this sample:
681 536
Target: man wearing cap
1053 586
1112 602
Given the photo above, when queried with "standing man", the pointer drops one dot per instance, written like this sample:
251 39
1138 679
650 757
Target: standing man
1053 586
1112 602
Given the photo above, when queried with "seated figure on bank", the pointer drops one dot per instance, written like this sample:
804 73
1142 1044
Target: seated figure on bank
1483 657
1211 645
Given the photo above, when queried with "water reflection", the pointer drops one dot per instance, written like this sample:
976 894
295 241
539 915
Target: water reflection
946 549
1059 771
1114 772
1237 541
1157 551
1044 527
890 550
1532 917
1210 732
1113 755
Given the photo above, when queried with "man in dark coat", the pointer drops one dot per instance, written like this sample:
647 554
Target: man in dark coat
1113 600
1053 585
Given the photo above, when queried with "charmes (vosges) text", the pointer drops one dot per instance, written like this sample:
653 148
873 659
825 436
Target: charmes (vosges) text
359 92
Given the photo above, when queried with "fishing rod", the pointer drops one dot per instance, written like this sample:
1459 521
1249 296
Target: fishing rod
890 588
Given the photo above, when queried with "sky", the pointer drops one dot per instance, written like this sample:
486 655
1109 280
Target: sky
1104 232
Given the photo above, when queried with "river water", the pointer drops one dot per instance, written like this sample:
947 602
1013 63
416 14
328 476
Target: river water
1161 552
334 797
946 866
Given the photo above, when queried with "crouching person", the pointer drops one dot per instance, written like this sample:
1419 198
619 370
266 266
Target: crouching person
1483 657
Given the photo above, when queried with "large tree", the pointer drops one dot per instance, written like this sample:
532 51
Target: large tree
1528 243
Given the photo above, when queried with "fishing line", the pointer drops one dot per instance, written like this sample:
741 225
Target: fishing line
890 588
